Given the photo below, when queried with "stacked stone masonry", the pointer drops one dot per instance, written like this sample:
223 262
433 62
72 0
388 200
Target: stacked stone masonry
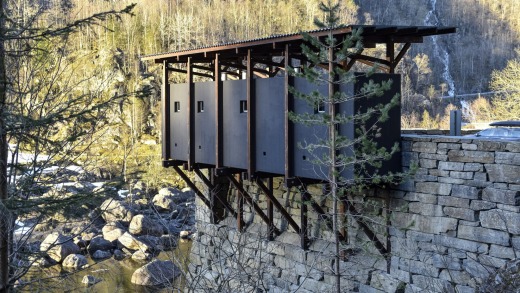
450 228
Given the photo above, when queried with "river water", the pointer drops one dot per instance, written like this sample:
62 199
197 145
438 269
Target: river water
115 275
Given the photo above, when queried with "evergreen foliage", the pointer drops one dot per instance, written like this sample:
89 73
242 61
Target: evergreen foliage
334 152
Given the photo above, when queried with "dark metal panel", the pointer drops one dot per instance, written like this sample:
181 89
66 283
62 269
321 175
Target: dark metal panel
270 115
347 129
303 135
178 112
391 129
235 124
205 122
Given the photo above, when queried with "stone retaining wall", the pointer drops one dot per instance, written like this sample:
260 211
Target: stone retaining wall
450 229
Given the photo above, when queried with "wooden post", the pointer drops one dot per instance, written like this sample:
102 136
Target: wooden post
219 138
165 108
270 212
191 116
288 124
390 56
251 127
303 215
240 205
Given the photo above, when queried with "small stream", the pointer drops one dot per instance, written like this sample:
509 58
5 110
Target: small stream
116 275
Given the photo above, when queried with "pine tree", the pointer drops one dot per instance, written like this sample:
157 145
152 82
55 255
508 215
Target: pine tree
335 152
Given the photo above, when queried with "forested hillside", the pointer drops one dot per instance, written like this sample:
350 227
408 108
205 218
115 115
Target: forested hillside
108 54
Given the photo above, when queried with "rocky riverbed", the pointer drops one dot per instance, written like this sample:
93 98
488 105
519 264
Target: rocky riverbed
138 231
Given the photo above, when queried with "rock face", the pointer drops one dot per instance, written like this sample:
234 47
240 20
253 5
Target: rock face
113 210
144 225
155 273
74 261
58 246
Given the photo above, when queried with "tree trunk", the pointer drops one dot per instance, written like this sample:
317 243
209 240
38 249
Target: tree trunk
4 213
333 176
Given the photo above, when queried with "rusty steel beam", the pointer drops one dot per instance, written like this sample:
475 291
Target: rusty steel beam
185 72
270 211
402 53
390 56
278 205
366 229
304 238
212 187
240 203
192 185
248 198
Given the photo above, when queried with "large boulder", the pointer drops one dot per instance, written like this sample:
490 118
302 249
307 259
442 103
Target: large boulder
144 225
155 273
130 242
74 261
111 226
113 210
113 235
99 243
168 242
58 246
164 202
101 254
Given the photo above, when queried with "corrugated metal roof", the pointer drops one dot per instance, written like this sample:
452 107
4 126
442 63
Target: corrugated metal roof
368 30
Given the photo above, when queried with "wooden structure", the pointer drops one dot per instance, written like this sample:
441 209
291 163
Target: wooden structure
241 126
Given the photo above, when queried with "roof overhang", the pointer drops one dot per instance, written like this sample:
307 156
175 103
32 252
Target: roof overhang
273 45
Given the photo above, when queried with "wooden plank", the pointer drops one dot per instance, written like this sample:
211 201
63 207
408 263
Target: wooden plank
165 108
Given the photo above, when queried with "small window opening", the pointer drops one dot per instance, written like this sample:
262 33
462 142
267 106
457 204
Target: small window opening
304 158
177 106
265 154
243 106
200 147
320 108
200 106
